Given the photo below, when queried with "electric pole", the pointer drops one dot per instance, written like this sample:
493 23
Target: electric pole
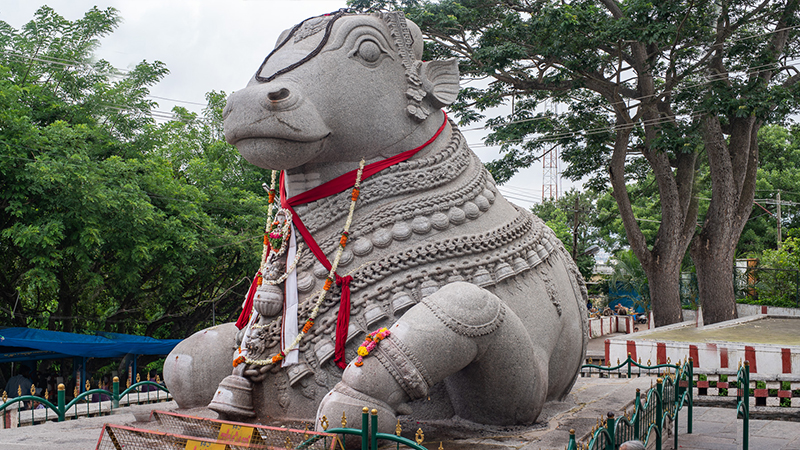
779 220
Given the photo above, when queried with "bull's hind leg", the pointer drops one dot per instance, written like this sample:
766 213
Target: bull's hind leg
462 332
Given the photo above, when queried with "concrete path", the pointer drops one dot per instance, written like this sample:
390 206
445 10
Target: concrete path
718 429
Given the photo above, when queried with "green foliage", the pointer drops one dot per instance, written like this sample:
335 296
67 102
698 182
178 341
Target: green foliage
645 209
112 222
157 365
779 170
778 276
571 217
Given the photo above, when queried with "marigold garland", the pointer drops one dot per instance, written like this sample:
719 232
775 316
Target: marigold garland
270 204
328 281
369 344
278 232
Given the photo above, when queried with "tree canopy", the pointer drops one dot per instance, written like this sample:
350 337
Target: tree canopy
649 89
573 218
110 220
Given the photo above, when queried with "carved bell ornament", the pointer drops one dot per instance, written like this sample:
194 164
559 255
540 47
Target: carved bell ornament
234 398
268 300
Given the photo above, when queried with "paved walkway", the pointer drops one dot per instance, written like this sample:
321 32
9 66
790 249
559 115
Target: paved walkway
718 429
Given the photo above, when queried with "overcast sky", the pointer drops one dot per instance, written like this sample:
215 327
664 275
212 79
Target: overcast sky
217 45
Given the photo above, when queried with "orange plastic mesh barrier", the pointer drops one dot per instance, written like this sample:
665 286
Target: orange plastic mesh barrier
188 432
195 433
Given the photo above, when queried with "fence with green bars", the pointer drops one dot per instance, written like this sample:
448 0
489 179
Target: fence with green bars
20 410
659 414
652 413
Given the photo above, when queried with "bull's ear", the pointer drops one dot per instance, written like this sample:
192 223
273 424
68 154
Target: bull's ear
440 81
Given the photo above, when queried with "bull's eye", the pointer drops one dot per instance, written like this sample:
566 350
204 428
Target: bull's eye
369 51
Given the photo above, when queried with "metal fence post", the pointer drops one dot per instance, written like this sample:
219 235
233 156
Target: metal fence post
61 402
659 410
610 444
690 416
637 415
629 361
374 430
365 428
115 395
572 445
746 407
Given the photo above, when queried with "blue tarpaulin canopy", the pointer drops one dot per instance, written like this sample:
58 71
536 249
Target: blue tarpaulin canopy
25 344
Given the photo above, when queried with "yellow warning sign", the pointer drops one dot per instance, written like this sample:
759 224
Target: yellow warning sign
235 433
197 445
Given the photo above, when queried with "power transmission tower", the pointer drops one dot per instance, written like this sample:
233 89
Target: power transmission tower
550 172
550 175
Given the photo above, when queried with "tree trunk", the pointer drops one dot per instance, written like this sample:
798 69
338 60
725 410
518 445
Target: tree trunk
678 215
733 163
664 282
65 305
714 264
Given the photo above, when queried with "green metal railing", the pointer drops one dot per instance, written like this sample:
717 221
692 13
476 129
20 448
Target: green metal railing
369 441
743 401
62 410
663 402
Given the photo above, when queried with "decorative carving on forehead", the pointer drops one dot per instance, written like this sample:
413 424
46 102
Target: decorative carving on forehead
326 20
404 41
311 27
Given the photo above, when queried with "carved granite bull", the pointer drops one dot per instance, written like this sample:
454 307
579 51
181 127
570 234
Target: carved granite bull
485 308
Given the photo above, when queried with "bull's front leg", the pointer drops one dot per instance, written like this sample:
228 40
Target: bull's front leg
462 334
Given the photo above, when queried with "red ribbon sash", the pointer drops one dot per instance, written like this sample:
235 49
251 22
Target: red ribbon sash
248 305
333 187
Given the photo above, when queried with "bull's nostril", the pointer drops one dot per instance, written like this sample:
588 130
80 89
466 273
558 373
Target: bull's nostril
282 94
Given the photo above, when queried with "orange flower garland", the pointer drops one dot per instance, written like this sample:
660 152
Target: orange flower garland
328 281
369 344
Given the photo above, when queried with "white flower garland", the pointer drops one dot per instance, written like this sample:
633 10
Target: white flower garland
328 281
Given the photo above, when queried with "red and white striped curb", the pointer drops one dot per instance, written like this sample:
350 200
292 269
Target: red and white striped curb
717 357
606 325
710 357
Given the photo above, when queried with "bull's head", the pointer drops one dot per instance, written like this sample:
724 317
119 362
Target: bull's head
340 87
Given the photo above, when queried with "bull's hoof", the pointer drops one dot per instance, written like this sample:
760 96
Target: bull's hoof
344 401
234 399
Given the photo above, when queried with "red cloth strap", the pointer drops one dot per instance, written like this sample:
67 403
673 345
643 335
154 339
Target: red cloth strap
334 187
338 185
348 180
342 320
248 304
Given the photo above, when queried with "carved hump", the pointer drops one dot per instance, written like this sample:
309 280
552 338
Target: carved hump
440 80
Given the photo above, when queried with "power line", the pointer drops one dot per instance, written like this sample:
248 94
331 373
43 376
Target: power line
589 132
178 101
710 79
520 196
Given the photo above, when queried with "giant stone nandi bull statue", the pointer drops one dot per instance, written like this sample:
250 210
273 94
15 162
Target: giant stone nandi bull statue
484 307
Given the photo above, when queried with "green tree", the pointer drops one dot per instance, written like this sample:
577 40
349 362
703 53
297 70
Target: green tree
778 277
111 221
648 88
572 218
779 171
